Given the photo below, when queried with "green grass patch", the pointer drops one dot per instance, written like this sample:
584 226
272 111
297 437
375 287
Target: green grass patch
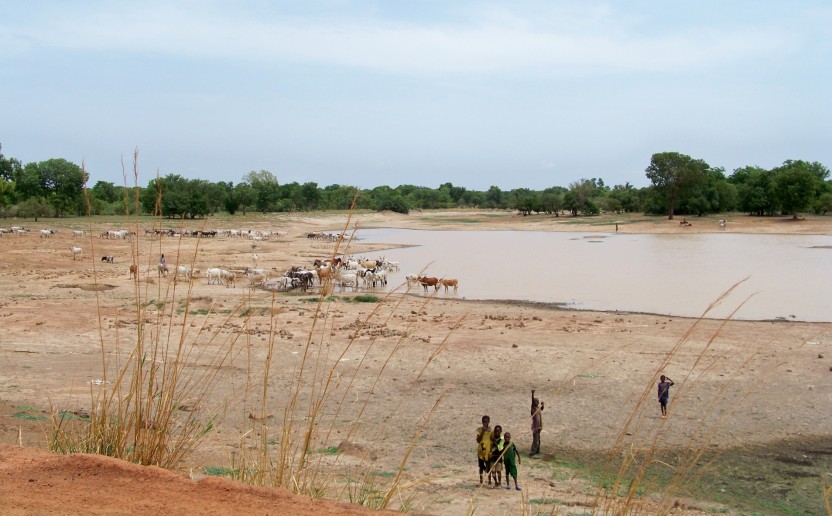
219 471
65 414
201 311
365 298
544 501
28 413
469 220
329 450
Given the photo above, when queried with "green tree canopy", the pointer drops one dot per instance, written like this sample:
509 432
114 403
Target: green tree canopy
675 175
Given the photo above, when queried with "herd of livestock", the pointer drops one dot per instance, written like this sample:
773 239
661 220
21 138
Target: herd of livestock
345 272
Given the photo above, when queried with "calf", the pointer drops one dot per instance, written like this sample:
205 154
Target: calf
449 282
134 271
108 258
228 277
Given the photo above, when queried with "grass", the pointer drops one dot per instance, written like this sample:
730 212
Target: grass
360 298
27 413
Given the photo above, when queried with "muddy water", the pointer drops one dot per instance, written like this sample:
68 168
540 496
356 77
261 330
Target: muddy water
786 276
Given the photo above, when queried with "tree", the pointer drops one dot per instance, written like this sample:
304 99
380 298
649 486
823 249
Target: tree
579 197
494 197
627 196
795 186
10 168
34 207
674 175
64 182
245 195
266 189
755 190
552 200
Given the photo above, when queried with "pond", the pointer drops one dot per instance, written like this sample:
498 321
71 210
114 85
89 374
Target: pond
785 276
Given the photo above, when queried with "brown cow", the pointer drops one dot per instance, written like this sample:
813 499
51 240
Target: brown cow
134 271
429 282
449 282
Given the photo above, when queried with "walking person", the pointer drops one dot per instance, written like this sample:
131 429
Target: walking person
537 424
163 264
484 448
511 458
664 393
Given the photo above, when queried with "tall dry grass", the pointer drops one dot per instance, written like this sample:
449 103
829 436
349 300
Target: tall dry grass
153 406
158 401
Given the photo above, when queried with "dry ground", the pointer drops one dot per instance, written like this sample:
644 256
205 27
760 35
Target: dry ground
743 386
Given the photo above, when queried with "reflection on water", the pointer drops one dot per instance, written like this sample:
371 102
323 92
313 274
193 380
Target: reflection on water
789 277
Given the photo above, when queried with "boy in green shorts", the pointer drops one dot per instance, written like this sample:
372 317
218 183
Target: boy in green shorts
511 459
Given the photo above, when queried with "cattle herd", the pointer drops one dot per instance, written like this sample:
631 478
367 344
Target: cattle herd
346 273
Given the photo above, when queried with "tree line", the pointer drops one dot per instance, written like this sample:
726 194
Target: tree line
680 185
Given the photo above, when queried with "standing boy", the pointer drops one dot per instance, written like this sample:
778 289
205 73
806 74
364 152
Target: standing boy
511 459
664 393
496 459
484 447
537 424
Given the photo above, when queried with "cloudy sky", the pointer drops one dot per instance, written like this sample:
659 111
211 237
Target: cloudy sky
514 94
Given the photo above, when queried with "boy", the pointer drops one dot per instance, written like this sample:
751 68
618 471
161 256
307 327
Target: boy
510 458
484 447
537 424
664 393
496 458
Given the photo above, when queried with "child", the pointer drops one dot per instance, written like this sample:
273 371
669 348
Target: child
664 393
537 424
510 458
484 447
496 458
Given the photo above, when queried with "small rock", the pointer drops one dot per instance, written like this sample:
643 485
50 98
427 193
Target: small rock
514 345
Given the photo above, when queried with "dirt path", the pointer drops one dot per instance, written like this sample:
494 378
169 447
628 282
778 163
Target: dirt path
738 384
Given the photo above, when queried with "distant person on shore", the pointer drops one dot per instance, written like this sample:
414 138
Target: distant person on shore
496 459
664 393
537 424
511 459
484 447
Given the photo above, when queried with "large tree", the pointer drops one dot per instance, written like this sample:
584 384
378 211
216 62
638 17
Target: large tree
674 175
796 185
266 189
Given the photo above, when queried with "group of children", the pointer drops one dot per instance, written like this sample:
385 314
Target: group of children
495 450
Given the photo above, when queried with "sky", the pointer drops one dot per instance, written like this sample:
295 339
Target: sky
519 94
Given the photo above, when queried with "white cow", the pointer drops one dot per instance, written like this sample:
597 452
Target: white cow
348 279
213 274
76 251
185 271
46 233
